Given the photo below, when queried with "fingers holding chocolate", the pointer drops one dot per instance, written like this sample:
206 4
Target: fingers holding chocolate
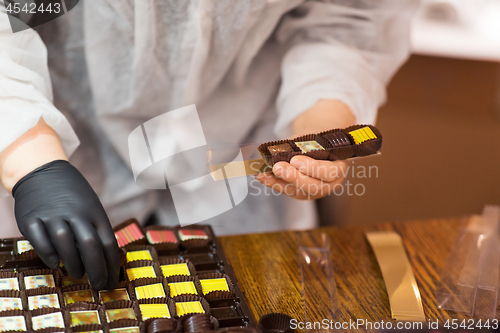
327 171
281 186
317 168
299 191
310 173
290 181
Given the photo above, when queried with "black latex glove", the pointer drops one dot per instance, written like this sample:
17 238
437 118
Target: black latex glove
61 216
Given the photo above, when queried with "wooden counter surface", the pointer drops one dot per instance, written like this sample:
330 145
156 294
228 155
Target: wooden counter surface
267 268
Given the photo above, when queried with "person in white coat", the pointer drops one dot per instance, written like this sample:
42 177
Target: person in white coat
257 71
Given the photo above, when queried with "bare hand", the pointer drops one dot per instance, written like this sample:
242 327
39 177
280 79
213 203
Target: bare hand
305 178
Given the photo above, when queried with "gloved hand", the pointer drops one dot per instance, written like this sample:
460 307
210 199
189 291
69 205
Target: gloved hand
61 216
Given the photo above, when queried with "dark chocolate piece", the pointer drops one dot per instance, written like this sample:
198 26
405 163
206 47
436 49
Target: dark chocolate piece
200 322
281 148
275 323
161 325
337 139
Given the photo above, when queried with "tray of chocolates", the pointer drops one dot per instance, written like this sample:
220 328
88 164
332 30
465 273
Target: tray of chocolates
171 280
332 145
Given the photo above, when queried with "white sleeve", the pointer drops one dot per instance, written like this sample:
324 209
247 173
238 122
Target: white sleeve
25 88
341 50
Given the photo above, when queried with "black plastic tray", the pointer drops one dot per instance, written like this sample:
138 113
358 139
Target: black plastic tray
233 312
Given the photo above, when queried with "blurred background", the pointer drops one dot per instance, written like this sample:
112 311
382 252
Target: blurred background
441 123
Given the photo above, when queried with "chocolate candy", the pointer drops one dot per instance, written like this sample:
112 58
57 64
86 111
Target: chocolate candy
175 269
43 301
332 145
367 139
275 323
54 319
84 318
182 288
119 314
13 323
337 139
184 308
38 281
78 296
23 246
141 272
281 148
187 234
114 295
362 134
218 284
161 325
9 284
139 255
10 303
154 311
198 323
129 234
307 146
161 236
150 291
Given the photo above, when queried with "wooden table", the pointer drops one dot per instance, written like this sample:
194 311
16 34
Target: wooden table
267 268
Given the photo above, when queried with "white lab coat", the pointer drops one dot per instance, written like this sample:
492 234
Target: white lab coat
250 66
